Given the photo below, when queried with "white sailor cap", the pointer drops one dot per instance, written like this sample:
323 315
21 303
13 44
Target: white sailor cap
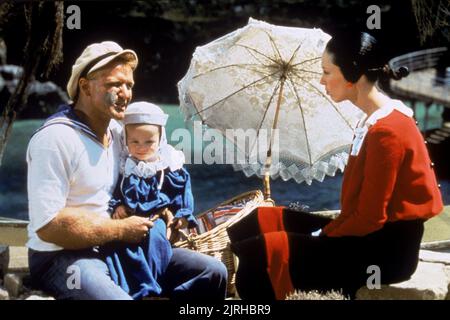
145 112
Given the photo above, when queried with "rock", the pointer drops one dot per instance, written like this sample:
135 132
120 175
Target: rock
3 51
43 97
35 297
18 262
4 260
441 245
13 284
2 83
429 282
11 74
447 272
12 233
4 295
315 295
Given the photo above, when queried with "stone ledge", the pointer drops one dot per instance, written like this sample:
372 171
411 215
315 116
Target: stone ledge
4 260
38 296
18 259
429 282
4 295
13 284
447 272
435 257
13 259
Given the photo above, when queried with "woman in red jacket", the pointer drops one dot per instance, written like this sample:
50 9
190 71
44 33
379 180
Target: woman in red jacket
389 189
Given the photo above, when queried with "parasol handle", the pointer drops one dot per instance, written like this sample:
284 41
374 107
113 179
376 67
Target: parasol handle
266 181
267 192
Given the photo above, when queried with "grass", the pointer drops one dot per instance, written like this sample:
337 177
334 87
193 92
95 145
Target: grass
315 295
438 228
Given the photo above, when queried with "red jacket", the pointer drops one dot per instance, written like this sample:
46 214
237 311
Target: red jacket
391 179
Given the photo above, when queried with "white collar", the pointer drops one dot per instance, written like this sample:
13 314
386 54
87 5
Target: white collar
169 157
382 112
141 169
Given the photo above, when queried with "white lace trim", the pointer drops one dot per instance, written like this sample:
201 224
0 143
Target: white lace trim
169 158
299 172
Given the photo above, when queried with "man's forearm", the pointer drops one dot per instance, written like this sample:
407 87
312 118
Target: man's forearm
74 228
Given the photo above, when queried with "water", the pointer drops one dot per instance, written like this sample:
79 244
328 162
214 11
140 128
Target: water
428 119
211 184
216 183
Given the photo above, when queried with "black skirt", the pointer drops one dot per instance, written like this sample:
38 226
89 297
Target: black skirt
325 263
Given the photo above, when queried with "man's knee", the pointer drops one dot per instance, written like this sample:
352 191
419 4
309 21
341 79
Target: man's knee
75 276
95 282
217 270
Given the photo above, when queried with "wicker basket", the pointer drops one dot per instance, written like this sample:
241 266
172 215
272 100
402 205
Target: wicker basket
216 242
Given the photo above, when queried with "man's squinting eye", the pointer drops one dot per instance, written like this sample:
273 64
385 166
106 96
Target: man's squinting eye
129 85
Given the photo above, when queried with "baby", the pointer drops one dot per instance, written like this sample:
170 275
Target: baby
154 184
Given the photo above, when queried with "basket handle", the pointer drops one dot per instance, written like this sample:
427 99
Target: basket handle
190 238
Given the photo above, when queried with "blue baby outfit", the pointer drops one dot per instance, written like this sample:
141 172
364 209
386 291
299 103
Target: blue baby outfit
137 268
142 195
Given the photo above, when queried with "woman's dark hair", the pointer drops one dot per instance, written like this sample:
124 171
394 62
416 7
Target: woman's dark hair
358 54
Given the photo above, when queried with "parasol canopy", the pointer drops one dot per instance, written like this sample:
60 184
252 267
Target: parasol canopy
264 80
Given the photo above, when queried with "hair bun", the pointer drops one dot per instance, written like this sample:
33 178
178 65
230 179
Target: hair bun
401 73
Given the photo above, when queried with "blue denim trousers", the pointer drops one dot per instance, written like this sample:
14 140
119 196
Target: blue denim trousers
83 275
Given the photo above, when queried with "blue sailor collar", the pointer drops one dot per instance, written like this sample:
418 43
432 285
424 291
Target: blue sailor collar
66 115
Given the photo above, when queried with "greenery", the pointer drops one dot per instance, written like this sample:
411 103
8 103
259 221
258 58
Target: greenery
438 228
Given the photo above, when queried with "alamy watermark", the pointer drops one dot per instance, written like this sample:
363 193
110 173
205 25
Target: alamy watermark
235 146
374 20
73 281
73 20
374 280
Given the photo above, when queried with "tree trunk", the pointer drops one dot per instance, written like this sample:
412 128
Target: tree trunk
43 51
16 102
5 131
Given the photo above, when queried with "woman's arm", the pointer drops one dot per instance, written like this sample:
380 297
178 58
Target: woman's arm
383 161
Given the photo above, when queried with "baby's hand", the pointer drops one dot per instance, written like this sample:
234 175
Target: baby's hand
176 223
120 213
173 229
